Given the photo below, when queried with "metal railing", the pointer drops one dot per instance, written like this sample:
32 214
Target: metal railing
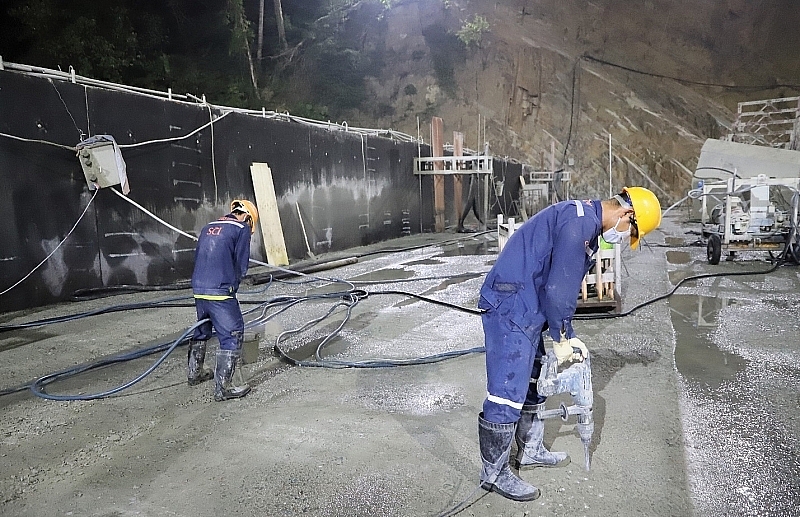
770 122
454 165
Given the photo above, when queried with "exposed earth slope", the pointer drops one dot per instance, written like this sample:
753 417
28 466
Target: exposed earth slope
541 79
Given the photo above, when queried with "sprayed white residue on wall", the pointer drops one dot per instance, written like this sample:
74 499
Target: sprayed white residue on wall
360 189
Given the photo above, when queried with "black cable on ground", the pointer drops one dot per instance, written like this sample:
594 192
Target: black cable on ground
385 363
468 310
348 299
93 293
103 310
37 387
671 292
158 304
376 363
789 255
465 503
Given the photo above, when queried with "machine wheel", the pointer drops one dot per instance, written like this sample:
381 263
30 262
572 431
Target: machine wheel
792 252
714 250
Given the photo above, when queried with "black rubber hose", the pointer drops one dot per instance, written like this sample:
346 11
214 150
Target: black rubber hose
671 292
37 387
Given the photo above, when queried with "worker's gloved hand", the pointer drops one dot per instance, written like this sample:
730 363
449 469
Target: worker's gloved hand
584 352
565 350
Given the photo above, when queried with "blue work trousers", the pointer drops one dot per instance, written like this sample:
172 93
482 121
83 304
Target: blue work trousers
226 319
512 360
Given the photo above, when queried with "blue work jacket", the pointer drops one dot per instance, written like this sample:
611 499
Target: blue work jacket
543 265
221 257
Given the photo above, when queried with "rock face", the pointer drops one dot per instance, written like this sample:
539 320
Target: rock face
550 80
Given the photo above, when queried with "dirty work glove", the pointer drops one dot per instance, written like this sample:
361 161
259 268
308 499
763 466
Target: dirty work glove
565 352
584 352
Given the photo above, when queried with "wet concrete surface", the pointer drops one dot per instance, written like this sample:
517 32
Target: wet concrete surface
695 407
737 354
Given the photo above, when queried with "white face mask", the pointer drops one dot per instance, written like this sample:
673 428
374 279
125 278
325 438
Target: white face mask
613 236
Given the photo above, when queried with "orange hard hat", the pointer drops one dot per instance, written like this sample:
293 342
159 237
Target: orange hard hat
246 207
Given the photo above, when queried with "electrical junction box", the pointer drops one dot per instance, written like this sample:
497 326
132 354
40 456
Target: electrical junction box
102 163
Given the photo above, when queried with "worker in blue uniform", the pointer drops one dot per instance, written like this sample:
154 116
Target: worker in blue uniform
221 261
533 287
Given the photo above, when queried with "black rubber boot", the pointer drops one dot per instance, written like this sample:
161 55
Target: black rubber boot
531 452
496 475
223 376
195 372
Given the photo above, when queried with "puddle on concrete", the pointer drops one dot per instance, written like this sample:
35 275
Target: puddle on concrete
423 262
747 282
674 241
476 247
377 276
382 275
466 248
678 257
442 286
739 416
333 287
456 280
697 358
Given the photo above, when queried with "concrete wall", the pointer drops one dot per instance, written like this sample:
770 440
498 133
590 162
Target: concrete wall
351 189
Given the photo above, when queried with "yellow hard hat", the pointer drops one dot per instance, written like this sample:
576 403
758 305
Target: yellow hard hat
245 206
646 209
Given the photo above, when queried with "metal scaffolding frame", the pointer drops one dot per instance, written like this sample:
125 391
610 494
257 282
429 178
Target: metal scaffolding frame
770 122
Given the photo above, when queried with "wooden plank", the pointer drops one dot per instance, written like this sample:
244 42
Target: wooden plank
458 150
269 218
437 149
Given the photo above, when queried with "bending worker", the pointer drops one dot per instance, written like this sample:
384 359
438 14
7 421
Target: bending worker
221 260
532 287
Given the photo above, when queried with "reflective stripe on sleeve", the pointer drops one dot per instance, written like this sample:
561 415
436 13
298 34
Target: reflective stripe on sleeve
502 401
579 205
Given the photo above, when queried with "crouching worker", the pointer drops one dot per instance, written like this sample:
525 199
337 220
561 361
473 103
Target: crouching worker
533 287
220 262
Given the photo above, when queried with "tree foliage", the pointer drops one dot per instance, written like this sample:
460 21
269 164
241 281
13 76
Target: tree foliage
200 46
472 31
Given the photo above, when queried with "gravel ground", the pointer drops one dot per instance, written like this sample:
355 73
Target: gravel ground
351 442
